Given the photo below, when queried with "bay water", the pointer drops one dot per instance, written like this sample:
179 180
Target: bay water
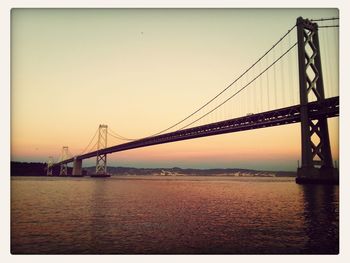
172 215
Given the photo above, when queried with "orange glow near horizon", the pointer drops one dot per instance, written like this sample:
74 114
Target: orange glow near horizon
73 69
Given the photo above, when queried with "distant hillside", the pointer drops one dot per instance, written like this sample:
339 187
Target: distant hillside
32 169
28 169
192 172
39 169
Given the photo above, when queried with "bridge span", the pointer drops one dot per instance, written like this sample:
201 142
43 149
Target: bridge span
312 113
327 109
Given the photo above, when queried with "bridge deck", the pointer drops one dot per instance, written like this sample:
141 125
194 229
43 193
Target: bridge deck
326 109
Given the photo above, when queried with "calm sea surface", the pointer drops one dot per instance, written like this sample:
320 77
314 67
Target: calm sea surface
172 215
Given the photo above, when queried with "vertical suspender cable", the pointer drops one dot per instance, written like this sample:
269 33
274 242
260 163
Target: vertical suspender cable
246 108
331 79
282 79
335 37
254 94
260 91
274 79
290 73
267 84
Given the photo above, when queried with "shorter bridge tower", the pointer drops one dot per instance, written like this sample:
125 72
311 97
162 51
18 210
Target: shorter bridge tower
64 156
49 166
316 157
101 159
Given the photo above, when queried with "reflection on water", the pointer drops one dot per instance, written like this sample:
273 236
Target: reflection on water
189 215
321 213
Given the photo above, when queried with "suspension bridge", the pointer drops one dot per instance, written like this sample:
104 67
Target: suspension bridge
252 101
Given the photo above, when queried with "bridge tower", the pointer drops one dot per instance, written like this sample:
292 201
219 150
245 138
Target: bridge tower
49 166
316 157
101 159
64 156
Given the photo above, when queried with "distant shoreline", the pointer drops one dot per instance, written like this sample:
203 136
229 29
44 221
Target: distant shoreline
39 169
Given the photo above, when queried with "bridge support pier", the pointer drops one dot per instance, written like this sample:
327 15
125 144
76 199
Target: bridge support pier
313 175
316 156
77 167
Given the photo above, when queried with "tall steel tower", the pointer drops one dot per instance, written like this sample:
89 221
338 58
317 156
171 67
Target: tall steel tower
316 157
64 156
101 160
49 166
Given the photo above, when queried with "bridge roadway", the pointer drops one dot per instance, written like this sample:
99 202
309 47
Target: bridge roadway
328 108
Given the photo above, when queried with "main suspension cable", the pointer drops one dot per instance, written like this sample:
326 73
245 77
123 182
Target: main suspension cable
118 136
89 142
328 26
240 89
193 113
325 19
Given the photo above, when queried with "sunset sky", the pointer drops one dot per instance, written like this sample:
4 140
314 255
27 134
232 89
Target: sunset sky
141 70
